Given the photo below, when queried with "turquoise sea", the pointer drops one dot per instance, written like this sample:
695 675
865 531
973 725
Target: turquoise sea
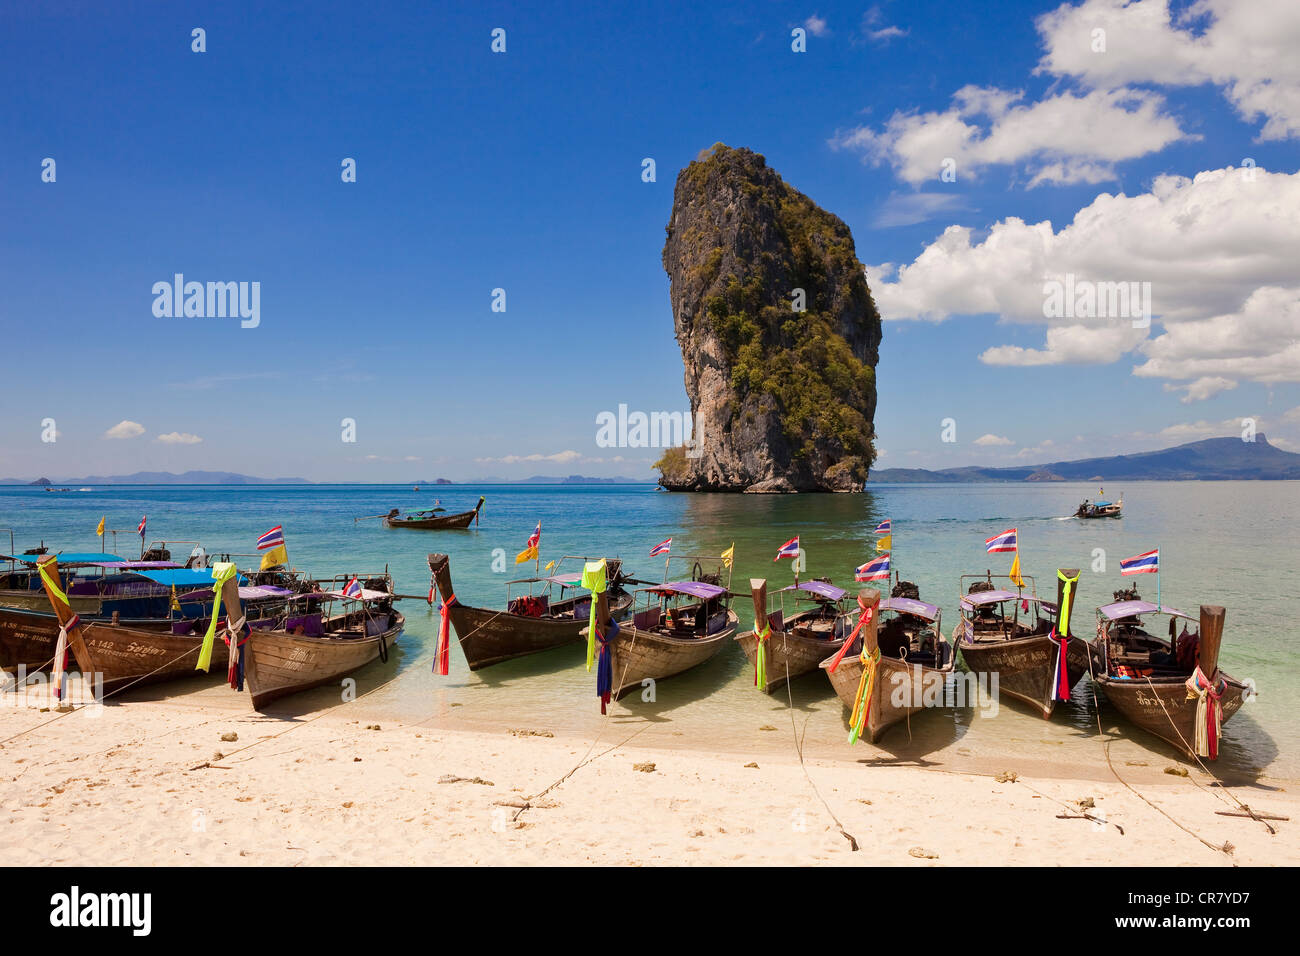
1229 543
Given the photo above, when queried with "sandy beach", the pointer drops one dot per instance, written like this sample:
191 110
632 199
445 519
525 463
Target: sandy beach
197 779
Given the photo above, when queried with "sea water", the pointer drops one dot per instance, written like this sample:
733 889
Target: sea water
1229 543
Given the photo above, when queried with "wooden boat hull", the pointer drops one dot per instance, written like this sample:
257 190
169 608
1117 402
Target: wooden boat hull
640 655
901 689
1161 706
490 637
440 522
789 655
1024 666
277 664
83 605
28 637
134 656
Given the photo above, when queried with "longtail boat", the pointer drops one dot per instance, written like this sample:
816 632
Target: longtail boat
1100 509
1169 686
311 646
794 645
429 520
128 656
135 596
1024 652
900 649
551 614
681 625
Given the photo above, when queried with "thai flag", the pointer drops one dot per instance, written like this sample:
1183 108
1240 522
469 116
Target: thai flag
877 569
535 538
1148 563
1006 541
271 539
789 549
663 547
352 589
141 528
882 528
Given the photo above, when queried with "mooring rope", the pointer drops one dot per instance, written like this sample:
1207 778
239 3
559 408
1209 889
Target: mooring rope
1226 848
798 749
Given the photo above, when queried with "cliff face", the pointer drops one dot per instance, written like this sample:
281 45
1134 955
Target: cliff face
783 399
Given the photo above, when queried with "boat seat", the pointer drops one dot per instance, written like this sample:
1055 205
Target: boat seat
644 620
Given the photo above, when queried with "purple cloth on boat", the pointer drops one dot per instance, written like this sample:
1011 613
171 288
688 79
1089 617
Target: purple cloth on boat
909 606
820 588
1114 612
699 589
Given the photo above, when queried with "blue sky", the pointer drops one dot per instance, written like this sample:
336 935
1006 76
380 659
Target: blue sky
522 171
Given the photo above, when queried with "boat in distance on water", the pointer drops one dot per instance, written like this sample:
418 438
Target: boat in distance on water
430 520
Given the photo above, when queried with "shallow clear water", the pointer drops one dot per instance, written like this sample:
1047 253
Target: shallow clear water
1229 543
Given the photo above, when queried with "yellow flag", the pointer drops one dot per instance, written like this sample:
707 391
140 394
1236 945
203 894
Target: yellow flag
1015 577
882 544
528 554
728 556
550 565
100 530
277 555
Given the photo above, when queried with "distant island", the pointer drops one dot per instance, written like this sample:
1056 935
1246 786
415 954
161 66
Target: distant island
1213 459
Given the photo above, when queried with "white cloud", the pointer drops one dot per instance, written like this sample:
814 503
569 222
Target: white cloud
1219 251
1202 388
991 439
1259 341
125 429
874 28
908 209
1248 49
179 438
886 33
816 26
560 457
1064 138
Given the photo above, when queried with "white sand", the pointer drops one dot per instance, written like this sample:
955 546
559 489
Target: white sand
122 789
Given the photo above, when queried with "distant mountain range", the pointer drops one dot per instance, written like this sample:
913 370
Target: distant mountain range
1214 459
161 478
232 478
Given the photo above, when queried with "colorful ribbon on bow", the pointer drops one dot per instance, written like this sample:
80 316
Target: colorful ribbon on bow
1209 712
221 573
594 580
760 654
605 665
1060 636
61 645
863 618
866 690
442 658
61 655
235 640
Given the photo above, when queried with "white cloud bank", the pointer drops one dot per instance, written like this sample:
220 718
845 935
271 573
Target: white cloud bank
1220 251
1055 138
179 438
125 429
1248 48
